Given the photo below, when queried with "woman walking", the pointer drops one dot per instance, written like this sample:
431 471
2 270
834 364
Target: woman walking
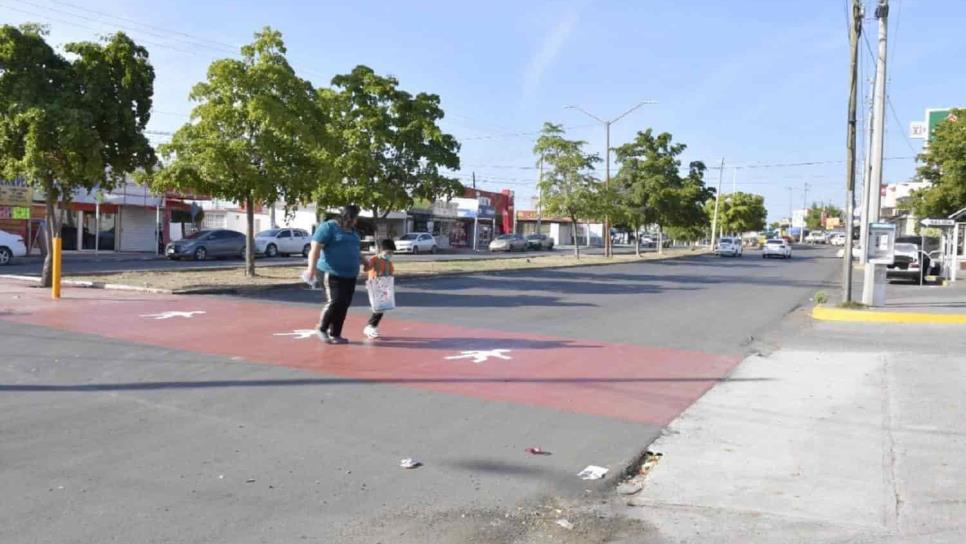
336 256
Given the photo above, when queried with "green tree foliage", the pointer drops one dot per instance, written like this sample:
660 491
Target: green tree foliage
652 189
943 165
389 146
72 123
739 212
567 187
258 135
817 212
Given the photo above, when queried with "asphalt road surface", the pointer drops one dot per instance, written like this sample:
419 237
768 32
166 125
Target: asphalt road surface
151 418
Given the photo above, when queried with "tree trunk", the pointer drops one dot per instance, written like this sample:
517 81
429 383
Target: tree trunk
637 240
52 229
250 237
576 237
660 240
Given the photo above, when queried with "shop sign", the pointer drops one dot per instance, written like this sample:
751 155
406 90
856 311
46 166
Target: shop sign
15 193
17 212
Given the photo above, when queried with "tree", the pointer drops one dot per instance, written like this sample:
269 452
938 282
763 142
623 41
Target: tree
72 124
817 214
390 148
567 187
257 135
653 190
740 212
944 165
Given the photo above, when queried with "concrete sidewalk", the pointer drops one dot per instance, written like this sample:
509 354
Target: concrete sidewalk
843 435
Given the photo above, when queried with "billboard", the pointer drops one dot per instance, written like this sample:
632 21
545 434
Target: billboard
15 192
934 116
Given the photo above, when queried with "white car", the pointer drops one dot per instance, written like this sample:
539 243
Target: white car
815 237
11 245
776 248
729 246
275 242
416 242
837 239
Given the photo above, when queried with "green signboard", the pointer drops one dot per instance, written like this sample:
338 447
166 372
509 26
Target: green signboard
936 116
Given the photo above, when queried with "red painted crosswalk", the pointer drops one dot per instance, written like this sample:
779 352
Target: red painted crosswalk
629 382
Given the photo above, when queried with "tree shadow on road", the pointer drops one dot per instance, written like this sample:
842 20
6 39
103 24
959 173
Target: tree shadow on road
310 382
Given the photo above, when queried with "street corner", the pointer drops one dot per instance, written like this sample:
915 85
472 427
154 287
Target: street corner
825 313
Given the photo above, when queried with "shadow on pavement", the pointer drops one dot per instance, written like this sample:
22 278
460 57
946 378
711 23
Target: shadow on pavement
151 386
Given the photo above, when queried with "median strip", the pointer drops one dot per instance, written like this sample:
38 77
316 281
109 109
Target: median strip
234 279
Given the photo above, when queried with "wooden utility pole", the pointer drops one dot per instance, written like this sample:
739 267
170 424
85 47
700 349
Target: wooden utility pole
854 33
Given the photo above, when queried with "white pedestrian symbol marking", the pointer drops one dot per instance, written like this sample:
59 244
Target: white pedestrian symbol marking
169 315
480 356
299 334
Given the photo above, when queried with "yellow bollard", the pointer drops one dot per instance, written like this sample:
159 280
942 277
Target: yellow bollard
55 284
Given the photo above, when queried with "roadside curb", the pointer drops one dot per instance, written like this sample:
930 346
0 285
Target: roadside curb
824 313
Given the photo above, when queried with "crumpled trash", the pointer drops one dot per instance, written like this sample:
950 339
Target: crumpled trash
629 488
409 463
565 524
592 472
537 451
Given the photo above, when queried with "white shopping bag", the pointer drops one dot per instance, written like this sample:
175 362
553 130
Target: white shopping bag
382 293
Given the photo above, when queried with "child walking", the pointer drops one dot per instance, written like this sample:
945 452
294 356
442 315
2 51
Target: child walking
379 265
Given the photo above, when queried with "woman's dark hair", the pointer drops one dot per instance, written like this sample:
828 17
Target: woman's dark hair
349 213
387 245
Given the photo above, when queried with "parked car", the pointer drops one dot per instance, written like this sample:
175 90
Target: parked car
207 243
416 242
539 241
647 241
729 246
777 247
912 263
11 245
274 242
815 237
837 239
509 242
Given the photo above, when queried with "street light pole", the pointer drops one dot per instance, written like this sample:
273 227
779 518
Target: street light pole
717 202
607 242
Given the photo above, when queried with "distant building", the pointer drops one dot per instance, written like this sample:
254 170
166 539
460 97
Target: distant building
895 200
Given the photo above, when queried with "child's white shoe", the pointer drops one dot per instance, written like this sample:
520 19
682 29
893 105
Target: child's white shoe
370 332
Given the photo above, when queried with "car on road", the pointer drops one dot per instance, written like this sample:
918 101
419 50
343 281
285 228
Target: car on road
776 247
539 241
815 237
837 239
416 243
205 244
509 242
729 246
910 262
275 242
11 245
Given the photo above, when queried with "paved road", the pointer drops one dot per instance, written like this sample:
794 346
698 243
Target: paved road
213 428
82 263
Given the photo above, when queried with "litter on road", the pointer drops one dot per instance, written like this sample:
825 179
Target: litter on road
565 524
537 451
410 463
592 472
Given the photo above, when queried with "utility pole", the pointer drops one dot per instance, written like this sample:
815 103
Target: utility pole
717 203
607 242
866 180
476 216
791 210
873 284
801 232
540 199
854 33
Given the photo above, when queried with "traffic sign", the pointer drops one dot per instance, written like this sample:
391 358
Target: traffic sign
938 222
918 130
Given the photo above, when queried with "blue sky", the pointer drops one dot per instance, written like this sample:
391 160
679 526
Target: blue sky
756 82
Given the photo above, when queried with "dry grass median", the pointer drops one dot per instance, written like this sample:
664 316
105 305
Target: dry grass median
271 276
